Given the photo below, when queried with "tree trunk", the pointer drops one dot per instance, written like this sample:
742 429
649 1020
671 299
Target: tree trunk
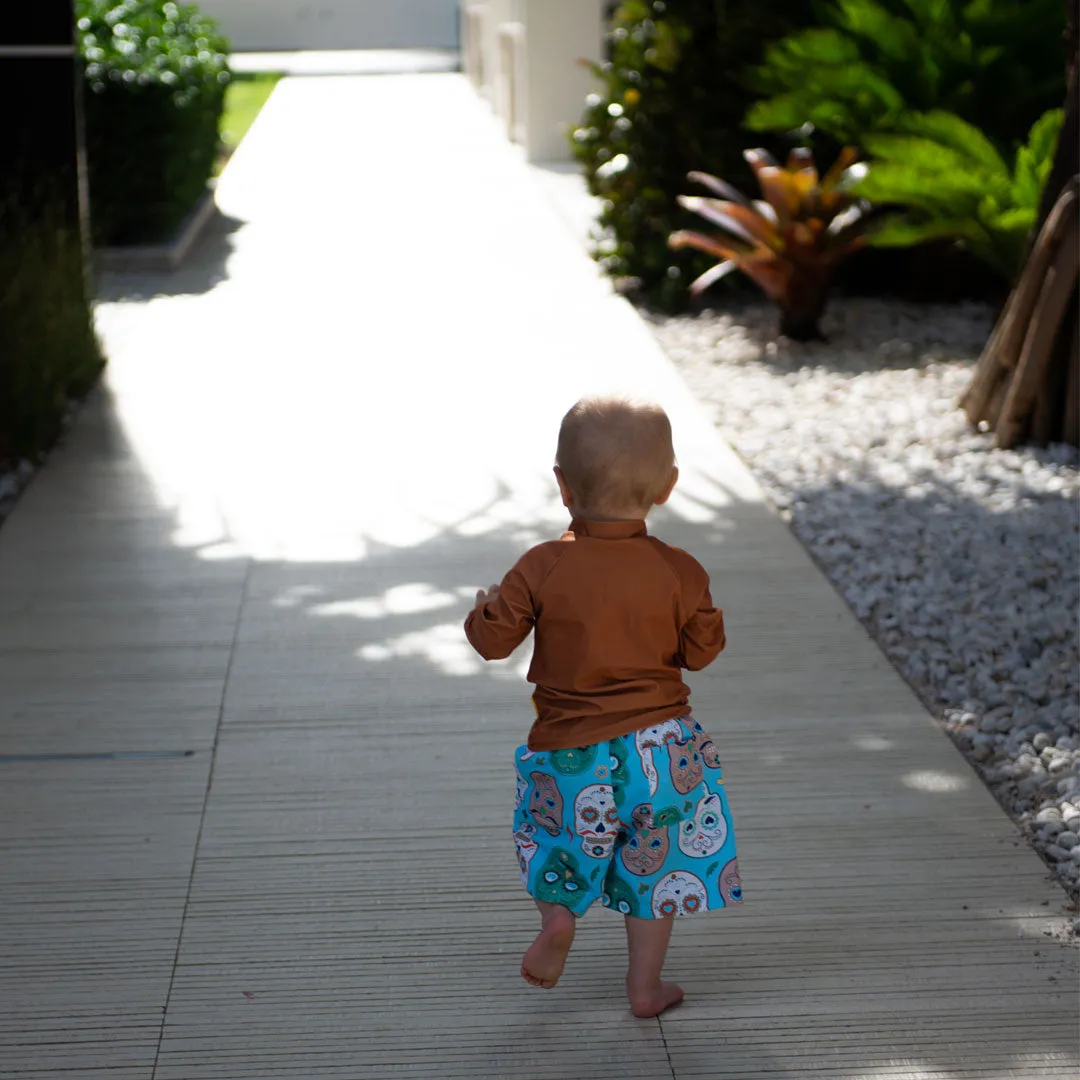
1028 376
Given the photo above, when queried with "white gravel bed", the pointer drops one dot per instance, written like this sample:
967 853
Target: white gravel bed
961 560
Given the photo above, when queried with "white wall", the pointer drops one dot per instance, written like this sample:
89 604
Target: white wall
256 25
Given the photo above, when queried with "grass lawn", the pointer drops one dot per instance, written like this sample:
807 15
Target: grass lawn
245 96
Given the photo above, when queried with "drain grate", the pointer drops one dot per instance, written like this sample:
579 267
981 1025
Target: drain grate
109 755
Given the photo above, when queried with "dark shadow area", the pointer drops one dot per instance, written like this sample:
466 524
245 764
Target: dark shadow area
204 268
343 887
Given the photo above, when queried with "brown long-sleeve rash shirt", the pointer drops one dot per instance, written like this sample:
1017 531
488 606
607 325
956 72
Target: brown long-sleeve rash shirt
617 615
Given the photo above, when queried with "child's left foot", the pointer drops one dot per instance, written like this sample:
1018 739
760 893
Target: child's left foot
546 956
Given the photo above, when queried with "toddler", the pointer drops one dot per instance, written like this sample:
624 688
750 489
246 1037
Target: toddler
619 791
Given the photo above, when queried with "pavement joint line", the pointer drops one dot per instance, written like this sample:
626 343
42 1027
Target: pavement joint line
202 813
98 755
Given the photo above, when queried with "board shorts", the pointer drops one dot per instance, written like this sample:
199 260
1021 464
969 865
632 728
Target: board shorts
639 822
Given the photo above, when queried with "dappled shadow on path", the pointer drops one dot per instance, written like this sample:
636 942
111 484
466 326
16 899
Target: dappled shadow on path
351 890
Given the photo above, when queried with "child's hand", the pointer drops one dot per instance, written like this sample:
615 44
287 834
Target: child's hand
483 598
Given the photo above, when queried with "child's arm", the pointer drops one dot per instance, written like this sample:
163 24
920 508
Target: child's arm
502 617
703 637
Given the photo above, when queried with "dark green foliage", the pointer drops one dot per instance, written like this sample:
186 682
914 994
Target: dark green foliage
155 77
998 64
954 184
48 351
671 102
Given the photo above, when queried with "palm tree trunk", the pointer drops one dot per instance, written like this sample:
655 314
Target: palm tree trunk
1027 380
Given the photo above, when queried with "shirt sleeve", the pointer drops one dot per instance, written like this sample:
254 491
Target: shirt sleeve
702 638
501 625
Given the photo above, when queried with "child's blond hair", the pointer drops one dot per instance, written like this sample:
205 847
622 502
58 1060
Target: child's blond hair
616 455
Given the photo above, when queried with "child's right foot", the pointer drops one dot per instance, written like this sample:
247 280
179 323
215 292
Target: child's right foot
546 956
652 1002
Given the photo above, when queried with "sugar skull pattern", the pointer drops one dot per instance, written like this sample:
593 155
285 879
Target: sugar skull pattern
651 738
706 747
730 883
546 802
679 893
596 820
572 762
640 822
559 881
525 843
686 765
704 834
647 848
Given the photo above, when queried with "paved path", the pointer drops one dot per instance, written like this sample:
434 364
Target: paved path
243 577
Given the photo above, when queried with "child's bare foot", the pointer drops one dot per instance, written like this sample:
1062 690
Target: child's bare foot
545 958
654 1000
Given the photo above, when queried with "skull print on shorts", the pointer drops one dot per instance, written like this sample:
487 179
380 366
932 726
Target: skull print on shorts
706 747
640 822
648 846
546 803
525 843
596 820
558 881
730 883
645 740
679 893
704 834
619 897
573 761
686 766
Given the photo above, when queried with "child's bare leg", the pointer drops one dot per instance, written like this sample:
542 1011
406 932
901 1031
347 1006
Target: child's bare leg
546 956
647 942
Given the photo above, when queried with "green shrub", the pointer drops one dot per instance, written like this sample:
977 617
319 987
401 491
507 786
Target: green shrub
671 101
48 351
155 77
996 63
954 184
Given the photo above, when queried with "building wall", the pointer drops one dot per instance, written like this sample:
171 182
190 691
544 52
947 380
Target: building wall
256 25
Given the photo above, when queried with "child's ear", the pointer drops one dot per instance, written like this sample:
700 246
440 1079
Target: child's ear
666 493
564 490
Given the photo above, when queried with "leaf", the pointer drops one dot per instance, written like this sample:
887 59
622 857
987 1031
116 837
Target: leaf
719 187
744 221
1020 219
897 232
712 869
1036 157
949 130
721 248
643 888
780 191
712 276
844 160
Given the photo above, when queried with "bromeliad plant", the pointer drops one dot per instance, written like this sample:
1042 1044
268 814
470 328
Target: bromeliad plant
790 243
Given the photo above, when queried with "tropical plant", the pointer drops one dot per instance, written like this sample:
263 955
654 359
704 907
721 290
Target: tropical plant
788 244
996 63
155 77
670 100
952 183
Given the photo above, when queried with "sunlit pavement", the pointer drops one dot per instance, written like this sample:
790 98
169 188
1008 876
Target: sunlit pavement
255 789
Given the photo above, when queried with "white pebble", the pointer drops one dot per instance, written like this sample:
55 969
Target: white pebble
960 559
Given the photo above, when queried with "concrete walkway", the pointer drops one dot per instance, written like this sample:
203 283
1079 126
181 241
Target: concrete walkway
255 788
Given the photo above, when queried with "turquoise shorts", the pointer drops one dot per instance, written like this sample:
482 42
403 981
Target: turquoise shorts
639 822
